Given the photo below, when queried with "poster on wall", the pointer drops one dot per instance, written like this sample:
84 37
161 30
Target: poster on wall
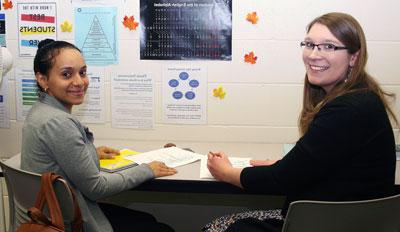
97 2
26 89
185 30
96 34
184 99
36 21
132 100
92 110
3 30
4 104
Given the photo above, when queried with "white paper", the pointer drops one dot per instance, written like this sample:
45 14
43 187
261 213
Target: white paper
237 162
36 21
26 91
92 110
132 100
184 95
4 104
171 156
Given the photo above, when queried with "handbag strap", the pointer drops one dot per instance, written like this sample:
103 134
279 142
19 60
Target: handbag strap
47 194
37 216
77 222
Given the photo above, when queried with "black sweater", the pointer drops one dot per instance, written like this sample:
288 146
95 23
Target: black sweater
348 153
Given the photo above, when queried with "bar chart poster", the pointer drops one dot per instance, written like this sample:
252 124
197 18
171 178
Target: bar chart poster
186 30
26 89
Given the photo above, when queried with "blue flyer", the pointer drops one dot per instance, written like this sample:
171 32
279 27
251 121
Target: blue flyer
96 34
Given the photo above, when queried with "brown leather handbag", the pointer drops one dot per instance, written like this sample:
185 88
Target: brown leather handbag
39 222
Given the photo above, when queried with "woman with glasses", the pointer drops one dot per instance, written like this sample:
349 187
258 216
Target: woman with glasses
346 151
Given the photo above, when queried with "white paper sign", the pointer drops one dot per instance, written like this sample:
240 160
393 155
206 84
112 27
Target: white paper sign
36 21
92 110
132 100
4 104
184 95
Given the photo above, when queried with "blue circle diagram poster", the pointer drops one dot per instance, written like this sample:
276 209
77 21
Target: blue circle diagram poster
184 95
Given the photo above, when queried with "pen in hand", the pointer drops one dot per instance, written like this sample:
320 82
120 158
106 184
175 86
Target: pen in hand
214 154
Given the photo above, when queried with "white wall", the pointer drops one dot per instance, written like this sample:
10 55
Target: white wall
263 100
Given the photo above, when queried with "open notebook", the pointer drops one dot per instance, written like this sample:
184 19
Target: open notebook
171 156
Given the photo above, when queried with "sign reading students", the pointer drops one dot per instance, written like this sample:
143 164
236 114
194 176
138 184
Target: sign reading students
36 21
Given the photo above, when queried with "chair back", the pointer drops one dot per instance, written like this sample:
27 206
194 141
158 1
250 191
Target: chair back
23 187
381 215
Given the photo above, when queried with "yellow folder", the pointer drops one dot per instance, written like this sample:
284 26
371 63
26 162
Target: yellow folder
118 162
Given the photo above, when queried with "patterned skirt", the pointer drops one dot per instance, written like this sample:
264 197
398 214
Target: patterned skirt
222 223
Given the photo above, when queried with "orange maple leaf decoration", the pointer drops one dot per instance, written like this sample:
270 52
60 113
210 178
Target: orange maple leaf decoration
252 17
250 58
7 5
129 22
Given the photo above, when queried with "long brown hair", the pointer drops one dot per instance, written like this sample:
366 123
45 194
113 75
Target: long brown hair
348 31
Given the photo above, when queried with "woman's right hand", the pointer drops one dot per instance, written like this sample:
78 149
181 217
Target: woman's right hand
221 168
160 169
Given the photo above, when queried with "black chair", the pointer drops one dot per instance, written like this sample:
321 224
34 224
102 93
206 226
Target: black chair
378 215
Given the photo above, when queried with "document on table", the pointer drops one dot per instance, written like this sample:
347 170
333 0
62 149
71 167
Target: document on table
236 162
171 156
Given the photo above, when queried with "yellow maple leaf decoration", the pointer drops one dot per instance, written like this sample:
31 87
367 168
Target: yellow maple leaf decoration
252 17
129 22
219 92
66 26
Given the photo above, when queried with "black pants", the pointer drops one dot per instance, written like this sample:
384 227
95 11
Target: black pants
255 225
124 219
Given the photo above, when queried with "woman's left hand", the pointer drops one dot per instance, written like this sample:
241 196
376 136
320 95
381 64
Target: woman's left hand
266 162
106 152
160 169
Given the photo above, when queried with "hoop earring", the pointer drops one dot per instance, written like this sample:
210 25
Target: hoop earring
45 90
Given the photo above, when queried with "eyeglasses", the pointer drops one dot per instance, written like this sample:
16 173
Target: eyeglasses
324 47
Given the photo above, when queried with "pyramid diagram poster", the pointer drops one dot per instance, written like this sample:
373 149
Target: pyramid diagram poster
96 34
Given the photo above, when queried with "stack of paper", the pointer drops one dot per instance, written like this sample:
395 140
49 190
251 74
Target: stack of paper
171 156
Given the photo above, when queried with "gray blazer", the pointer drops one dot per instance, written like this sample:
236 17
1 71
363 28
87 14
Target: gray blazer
55 140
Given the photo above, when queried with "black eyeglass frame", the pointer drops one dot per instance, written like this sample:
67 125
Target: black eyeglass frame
313 45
